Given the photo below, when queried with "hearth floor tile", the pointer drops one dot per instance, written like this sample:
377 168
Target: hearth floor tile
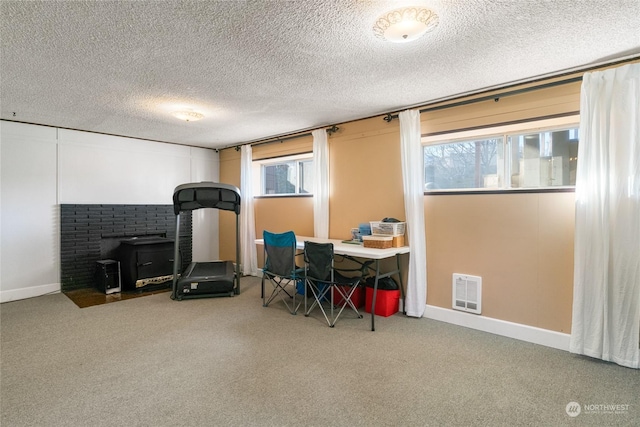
88 297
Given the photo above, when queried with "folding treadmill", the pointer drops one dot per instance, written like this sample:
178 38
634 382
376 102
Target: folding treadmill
206 279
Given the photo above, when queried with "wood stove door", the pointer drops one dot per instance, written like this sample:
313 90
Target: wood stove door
155 261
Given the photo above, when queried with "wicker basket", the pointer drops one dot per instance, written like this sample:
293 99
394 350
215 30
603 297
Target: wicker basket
377 241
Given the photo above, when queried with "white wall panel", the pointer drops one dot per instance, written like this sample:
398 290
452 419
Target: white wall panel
29 249
96 168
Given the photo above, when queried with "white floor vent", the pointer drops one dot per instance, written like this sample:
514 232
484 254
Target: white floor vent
467 293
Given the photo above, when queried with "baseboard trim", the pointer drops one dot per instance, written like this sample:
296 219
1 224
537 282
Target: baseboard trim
30 292
517 331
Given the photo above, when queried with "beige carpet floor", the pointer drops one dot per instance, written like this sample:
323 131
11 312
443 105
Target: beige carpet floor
152 361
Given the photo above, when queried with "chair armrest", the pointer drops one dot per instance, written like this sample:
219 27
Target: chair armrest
363 270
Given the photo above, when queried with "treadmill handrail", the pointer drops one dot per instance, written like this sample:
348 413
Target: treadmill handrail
197 195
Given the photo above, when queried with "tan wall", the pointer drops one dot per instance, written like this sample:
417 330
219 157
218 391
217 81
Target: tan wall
303 144
283 214
365 175
529 105
520 244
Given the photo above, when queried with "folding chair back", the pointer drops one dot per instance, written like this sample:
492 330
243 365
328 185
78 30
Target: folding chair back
280 252
318 258
325 281
280 268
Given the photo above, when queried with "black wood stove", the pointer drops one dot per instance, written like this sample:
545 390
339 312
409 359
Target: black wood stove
145 262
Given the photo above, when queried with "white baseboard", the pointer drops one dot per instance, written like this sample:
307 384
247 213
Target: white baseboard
30 292
526 333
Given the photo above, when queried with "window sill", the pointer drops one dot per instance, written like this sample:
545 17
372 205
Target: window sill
502 191
280 196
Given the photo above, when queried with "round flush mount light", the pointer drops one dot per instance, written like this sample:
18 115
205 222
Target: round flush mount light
405 25
187 115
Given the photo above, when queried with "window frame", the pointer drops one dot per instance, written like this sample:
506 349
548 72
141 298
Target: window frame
501 132
259 171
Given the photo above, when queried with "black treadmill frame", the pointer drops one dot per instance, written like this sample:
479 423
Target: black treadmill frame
192 196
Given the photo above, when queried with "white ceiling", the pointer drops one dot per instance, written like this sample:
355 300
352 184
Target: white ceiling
259 69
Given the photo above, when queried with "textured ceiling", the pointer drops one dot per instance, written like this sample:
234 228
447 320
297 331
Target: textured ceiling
259 69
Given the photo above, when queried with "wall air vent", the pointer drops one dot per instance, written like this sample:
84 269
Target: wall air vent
467 293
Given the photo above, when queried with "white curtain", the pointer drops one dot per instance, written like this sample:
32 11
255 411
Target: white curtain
248 253
413 179
606 290
320 183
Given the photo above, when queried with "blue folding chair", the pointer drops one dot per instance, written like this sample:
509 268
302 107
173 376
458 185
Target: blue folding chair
280 269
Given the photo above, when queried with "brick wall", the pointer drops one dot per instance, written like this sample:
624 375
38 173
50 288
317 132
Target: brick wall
85 228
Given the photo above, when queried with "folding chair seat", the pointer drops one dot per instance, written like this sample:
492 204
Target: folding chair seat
327 284
280 269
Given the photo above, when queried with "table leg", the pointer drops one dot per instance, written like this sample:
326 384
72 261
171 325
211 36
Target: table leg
378 276
373 299
404 299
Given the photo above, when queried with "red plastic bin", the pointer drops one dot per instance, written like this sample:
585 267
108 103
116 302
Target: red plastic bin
357 298
387 301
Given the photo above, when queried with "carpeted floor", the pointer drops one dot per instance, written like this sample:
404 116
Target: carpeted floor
152 361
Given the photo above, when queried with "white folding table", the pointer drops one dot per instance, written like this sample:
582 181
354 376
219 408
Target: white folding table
359 251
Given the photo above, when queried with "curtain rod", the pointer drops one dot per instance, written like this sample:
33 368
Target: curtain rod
330 130
496 97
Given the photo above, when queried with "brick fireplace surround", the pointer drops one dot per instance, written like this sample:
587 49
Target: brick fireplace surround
89 233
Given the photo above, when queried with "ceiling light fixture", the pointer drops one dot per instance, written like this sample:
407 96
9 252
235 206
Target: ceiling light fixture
187 115
405 25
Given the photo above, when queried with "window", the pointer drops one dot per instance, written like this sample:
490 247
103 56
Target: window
544 159
465 164
515 158
292 175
